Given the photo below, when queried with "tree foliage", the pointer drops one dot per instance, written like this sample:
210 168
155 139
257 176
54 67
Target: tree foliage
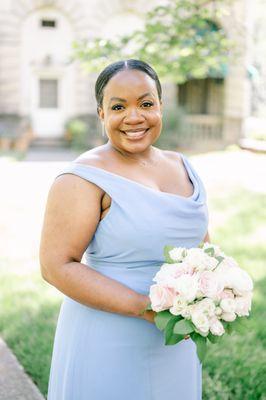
181 40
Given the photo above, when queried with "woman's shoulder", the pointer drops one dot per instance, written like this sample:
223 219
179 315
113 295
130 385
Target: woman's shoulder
95 157
172 155
68 177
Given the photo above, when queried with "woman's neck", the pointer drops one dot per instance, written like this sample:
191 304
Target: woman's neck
147 158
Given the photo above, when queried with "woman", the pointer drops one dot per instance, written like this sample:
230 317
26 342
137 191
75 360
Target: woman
119 204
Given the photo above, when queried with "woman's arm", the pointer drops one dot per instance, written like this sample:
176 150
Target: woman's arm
71 217
207 238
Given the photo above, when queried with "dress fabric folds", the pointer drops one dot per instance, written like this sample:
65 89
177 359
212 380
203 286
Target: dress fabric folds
99 355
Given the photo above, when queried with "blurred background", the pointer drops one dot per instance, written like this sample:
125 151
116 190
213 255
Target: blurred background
210 57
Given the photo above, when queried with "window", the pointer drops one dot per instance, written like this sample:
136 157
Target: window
202 96
48 93
48 23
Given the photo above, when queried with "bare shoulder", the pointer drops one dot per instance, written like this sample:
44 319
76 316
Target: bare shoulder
95 157
69 182
172 155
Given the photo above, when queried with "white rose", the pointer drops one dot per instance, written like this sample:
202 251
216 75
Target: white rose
227 264
216 327
199 260
205 306
186 312
166 274
201 322
228 305
199 294
240 281
228 317
179 304
243 305
177 253
235 278
217 250
187 287
230 262
218 311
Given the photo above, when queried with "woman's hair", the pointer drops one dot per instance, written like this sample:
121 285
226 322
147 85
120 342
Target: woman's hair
118 66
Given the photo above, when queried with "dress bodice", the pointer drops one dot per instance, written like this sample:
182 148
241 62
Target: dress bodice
141 221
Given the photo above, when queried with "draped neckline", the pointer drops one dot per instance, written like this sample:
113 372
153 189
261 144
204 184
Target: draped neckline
133 182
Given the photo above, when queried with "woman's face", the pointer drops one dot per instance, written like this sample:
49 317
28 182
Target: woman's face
131 111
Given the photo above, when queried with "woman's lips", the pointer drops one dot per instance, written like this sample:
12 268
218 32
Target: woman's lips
135 135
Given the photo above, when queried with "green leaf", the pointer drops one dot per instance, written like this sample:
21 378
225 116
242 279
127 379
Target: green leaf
167 257
240 325
201 343
220 259
183 327
149 307
170 337
213 338
173 339
229 328
210 251
162 318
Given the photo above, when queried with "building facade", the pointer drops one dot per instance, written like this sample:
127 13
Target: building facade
38 81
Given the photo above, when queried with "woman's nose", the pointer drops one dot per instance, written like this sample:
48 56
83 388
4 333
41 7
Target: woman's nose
133 116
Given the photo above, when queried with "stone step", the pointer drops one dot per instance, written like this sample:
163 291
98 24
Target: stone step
49 143
15 384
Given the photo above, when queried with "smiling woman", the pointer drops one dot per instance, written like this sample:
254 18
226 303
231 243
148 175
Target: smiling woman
135 112
117 206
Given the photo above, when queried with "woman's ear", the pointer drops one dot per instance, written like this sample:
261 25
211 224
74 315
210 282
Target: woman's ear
100 113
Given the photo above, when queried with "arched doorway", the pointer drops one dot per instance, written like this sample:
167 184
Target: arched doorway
47 79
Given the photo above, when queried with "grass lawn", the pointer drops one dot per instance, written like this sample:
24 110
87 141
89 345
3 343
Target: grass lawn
234 370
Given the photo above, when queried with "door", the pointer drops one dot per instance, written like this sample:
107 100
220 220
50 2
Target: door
47 116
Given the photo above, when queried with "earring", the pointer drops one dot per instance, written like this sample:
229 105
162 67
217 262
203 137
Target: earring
103 131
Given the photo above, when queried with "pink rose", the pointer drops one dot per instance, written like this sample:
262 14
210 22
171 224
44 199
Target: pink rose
168 273
161 297
209 284
226 294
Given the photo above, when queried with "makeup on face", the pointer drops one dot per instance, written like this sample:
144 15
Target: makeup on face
131 110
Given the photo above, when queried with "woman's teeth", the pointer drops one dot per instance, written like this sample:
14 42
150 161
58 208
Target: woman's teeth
135 134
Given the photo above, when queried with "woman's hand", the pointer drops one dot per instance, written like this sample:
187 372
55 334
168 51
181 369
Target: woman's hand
149 315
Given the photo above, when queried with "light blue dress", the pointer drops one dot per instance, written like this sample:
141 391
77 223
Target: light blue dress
99 355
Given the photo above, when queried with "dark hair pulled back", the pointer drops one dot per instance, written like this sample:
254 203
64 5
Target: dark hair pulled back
118 66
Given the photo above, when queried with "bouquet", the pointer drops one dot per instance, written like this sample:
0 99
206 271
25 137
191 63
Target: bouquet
199 292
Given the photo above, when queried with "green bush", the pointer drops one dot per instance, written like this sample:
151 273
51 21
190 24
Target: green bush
77 130
173 128
83 132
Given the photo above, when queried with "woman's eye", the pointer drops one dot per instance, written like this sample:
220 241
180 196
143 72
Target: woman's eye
118 107
147 103
115 107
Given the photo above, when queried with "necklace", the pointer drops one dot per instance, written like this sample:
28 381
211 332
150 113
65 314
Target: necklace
144 163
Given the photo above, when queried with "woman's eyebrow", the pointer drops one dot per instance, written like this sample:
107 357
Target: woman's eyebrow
124 100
